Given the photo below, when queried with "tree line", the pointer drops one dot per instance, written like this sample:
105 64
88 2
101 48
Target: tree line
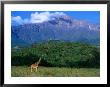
57 54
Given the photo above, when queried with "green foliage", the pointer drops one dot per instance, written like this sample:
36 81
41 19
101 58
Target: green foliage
58 54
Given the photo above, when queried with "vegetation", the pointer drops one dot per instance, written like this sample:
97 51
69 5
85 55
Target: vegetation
58 54
24 71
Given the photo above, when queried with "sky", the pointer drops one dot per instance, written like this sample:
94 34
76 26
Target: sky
23 17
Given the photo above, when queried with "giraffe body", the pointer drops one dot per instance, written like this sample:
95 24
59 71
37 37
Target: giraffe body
35 65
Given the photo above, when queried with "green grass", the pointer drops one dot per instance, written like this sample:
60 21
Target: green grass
24 71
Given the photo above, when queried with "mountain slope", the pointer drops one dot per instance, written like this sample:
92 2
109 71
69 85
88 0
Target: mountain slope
62 28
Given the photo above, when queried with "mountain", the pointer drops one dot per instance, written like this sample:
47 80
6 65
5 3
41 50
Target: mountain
63 28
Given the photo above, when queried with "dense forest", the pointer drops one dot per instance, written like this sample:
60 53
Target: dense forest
57 54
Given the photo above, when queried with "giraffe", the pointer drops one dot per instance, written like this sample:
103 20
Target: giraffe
35 65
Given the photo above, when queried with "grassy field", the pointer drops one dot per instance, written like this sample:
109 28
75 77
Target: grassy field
24 71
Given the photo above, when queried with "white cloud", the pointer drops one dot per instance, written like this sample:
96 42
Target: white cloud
17 19
57 14
44 16
26 21
37 17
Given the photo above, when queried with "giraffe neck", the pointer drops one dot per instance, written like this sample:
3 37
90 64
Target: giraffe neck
37 63
39 60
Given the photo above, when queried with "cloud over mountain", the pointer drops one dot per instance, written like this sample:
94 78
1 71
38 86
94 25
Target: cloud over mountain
37 17
16 19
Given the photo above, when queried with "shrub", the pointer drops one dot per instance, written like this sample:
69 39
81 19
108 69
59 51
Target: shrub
58 54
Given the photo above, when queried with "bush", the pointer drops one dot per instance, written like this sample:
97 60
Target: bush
58 54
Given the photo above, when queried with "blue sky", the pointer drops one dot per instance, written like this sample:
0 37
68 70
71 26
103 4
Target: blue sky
19 17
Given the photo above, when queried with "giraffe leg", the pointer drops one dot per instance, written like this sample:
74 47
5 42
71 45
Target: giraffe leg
36 69
31 69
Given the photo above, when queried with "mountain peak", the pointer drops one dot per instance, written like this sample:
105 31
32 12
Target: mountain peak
60 27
